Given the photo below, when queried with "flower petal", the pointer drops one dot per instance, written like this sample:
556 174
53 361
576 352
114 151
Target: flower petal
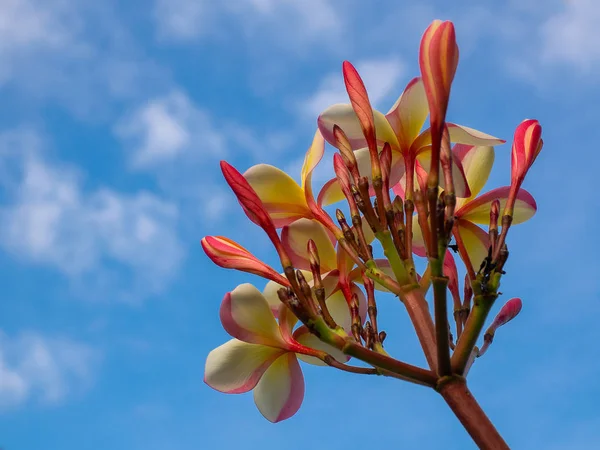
229 254
475 240
478 210
282 197
295 239
280 391
246 315
418 243
459 134
344 117
306 338
461 186
237 366
477 162
409 113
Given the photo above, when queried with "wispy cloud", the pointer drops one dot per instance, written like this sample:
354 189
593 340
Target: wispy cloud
165 128
381 77
293 22
41 369
49 218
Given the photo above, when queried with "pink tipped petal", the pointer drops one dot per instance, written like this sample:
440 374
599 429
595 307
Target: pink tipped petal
459 178
459 134
230 255
295 239
330 193
279 393
475 240
477 162
478 210
409 113
246 315
344 116
282 197
509 311
236 367
306 338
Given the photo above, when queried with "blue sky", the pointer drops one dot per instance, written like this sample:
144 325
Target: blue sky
114 119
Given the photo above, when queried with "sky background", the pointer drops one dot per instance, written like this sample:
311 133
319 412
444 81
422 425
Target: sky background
114 117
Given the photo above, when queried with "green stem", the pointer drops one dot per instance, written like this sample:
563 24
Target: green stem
481 308
391 253
339 339
440 284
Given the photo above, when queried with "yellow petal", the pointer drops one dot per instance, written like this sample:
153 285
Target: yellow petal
475 240
344 116
237 366
280 391
283 198
477 163
409 113
295 240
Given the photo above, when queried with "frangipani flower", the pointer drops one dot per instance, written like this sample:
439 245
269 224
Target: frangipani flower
283 198
263 355
477 162
401 128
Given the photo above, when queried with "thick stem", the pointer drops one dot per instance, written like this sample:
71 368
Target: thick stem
440 284
470 414
419 314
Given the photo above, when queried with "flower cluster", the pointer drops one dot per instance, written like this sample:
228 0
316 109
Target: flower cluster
416 191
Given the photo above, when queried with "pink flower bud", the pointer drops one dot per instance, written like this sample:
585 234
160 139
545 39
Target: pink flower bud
508 312
438 59
230 255
527 144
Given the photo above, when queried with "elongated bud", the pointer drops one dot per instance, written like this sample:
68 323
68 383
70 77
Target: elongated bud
343 145
363 110
313 253
527 144
494 215
341 172
438 59
386 164
509 311
230 255
253 207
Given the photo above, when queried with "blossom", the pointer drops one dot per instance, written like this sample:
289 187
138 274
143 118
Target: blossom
263 356
401 128
477 162
285 200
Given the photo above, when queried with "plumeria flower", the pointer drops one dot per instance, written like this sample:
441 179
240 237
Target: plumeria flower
263 356
285 200
401 127
477 162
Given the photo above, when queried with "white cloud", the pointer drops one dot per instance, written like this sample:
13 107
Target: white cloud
166 127
50 219
292 21
381 77
572 35
79 54
42 369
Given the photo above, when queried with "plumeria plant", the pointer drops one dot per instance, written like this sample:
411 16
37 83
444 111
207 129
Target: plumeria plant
416 194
